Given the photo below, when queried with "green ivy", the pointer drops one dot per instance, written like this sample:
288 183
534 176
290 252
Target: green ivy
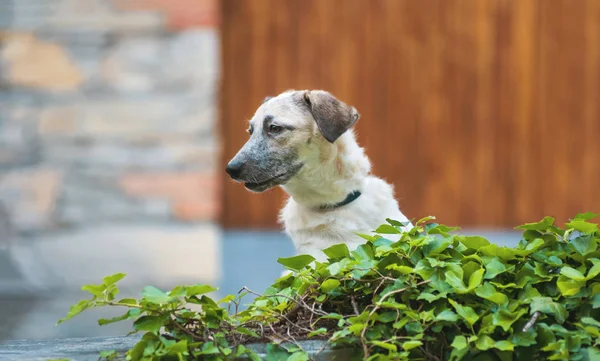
426 294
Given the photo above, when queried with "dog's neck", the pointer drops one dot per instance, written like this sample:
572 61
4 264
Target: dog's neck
331 174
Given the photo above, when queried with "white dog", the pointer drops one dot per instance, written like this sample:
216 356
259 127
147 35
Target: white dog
303 142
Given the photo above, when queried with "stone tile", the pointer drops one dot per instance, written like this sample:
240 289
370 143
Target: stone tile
156 253
32 194
180 14
27 61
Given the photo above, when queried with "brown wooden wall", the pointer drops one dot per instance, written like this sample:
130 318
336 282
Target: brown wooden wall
483 113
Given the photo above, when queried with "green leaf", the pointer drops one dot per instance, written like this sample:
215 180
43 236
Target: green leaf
572 273
583 245
247 332
456 282
542 225
504 346
494 268
149 323
198 290
586 216
465 312
128 301
595 270
108 354
298 356
396 223
96 290
111 280
329 285
473 242
387 229
459 342
337 251
339 267
276 353
506 319
436 246
582 226
590 321
568 286
485 343
447 315
385 345
363 252
296 263
402 269
475 279
548 306
154 295
75 310
488 292
132 313
409 345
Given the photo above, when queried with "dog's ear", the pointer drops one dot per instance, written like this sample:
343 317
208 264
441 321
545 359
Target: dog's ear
333 117
267 99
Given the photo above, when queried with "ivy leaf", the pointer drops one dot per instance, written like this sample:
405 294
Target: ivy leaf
154 295
568 286
583 245
542 225
595 270
494 268
199 290
111 280
582 226
473 242
447 315
387 229
337 251
548 306
504 346
485 343
385 345
132 313
96 290
506 319
276 353
488 292
465 312
329 285
409 345
459 342
585 216
572 273
296 263
149 323
475 279
75 310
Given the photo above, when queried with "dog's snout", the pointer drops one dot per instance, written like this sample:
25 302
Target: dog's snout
234 169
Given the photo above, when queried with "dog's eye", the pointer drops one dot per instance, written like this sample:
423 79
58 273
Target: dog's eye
274 129
250 130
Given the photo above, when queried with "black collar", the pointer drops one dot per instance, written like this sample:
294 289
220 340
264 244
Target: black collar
349 199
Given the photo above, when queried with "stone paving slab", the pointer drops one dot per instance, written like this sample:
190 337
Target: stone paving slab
88 349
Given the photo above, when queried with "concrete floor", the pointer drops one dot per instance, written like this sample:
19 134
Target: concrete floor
29 310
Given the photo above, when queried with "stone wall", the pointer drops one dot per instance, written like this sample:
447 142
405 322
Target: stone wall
107 142
107 112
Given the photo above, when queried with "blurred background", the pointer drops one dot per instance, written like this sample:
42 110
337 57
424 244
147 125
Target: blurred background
117 118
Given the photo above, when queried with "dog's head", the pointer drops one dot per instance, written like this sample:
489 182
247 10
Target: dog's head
285 133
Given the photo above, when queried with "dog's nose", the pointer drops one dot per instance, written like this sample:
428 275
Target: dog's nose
234 168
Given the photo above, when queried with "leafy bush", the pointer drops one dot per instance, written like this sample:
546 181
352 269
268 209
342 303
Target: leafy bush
419 295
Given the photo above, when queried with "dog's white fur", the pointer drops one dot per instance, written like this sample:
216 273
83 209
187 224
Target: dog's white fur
329 173
321 182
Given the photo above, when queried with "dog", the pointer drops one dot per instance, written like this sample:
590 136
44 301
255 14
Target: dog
303 141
